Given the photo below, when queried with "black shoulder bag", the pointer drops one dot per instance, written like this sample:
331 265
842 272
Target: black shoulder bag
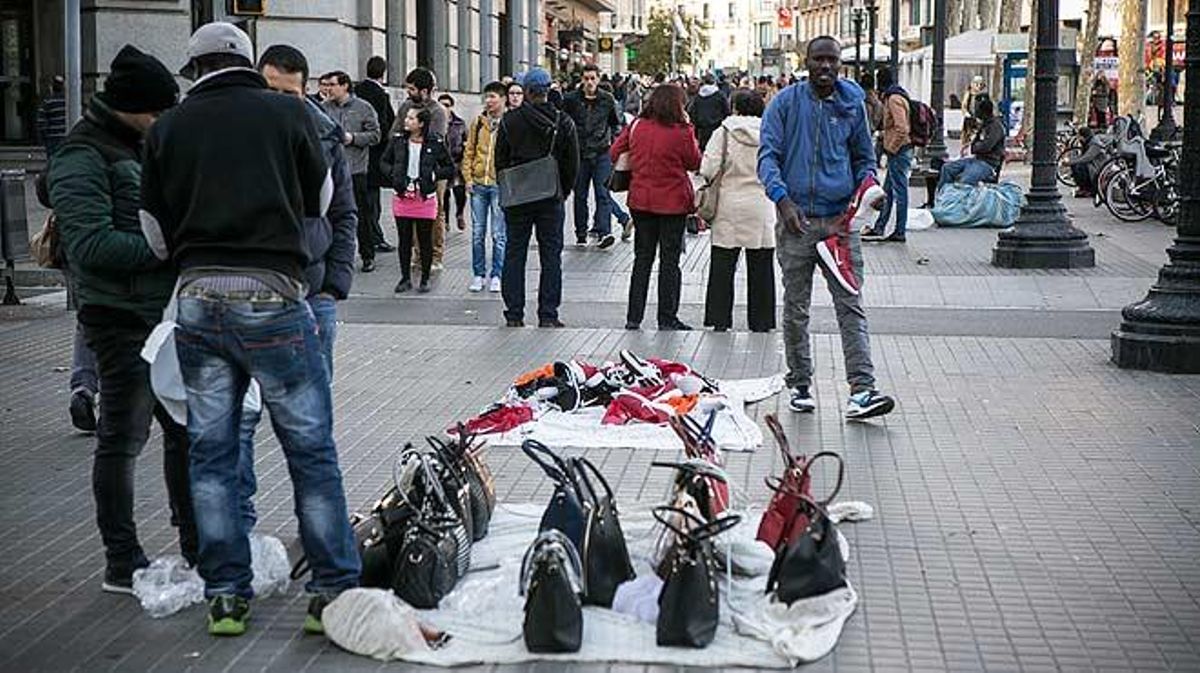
430 558
812 564
605 556
551 581
466 457
532 181
689 606
565 510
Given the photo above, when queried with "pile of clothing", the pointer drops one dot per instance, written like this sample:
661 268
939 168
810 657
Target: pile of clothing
631 390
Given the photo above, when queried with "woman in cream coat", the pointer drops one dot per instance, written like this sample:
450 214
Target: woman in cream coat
745 219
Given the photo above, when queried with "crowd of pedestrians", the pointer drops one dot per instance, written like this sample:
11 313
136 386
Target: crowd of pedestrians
237 213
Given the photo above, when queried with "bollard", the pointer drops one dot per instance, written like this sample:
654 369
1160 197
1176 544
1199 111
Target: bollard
14 229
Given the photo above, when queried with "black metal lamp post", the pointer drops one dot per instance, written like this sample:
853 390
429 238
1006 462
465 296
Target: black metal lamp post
858 20
1043 237
937 95
894 55
1167 129
872 21
1162 332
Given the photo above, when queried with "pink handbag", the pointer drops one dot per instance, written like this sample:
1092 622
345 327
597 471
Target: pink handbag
414 205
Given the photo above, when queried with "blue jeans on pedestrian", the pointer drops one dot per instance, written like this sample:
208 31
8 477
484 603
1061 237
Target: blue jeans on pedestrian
324 309
593 172
618 212
485 208
223 340
967 171
896 188
545 219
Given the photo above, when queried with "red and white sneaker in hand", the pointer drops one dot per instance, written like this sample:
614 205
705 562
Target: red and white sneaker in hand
834 251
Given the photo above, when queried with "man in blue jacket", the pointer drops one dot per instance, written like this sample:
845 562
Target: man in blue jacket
815 151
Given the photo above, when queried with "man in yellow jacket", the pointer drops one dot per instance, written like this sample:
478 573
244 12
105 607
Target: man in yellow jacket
897 145
479 174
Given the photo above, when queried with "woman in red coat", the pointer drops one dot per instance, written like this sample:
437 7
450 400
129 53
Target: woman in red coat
662 145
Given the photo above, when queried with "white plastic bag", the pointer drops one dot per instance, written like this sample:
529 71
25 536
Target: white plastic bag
169 585
166 378
373 623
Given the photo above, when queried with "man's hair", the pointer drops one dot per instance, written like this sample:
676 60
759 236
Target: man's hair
446 97
592 67
822 38
867 81
422 78
496 87
376 67
285 58
340 77
660 77
984 108
709 79
748 103
885 78
214 62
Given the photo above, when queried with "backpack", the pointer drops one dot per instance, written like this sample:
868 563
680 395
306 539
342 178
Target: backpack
922 123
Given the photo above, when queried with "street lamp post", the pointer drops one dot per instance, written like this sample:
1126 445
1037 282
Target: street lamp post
894 54
858 21
872 21
1162 332
937 145
1043 237
1167 129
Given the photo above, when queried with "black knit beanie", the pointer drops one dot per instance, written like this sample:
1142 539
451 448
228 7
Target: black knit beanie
138 82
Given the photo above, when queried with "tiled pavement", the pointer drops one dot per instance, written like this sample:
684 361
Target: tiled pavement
1037 507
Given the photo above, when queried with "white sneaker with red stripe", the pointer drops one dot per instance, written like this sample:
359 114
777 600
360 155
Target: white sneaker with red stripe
834 251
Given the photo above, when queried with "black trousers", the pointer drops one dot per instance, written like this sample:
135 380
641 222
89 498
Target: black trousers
368 212
405 228
373 200
545 221
760 288
460 200
128 405
662 234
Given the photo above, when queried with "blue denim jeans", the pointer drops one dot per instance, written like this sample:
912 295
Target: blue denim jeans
223 341
593 173
968 171
618 212
485 209
896 187
324 309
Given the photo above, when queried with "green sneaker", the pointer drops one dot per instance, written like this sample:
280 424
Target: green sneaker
227 615
312 620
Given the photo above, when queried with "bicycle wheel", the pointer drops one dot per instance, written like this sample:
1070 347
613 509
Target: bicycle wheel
1107 171
1166 206
1063 169
1122 201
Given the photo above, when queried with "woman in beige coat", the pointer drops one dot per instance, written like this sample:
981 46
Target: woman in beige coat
745 219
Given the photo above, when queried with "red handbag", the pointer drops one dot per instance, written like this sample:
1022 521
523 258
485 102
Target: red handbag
698 443
787 515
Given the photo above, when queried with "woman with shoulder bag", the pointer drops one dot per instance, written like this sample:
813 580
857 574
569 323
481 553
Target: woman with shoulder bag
660 199
415 161
744 218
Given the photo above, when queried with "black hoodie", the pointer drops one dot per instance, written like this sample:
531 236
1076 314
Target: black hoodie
525 135
230 174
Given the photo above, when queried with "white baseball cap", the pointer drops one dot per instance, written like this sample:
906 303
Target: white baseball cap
217 38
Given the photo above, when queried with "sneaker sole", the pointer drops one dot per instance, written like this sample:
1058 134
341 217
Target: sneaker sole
606 243
871 412
226 627
116 589
83 415
313 626
802 408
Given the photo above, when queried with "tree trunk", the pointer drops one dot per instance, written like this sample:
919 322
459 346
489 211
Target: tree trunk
954 15
1087 58
1027 111
1131 93
987 14
970 15
1010 22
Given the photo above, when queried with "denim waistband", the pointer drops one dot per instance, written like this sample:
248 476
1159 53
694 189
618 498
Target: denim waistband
195 291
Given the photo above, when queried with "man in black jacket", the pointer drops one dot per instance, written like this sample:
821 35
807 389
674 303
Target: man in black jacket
229 177
526 133
371 90
597 121
987 151
709 108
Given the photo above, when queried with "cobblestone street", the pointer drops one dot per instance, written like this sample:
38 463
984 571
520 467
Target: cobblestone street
1036 507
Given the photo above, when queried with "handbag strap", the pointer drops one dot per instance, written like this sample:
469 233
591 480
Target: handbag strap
701 530
554 136
695 467
551 538
803 468
555 468
781 440
582 467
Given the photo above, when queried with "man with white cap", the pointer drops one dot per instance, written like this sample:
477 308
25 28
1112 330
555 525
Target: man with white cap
229 177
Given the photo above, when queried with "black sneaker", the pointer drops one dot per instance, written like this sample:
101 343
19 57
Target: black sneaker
633 326
606 242
644 372
227 615
895 238
118 579
83 411
385 247
316 607
424 286
581 241
868 404
801 401
676 325
514 323
872 235
554 323
403 286
368 265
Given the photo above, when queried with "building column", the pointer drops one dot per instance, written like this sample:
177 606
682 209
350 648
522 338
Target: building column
440 18
535 32
487 23
466 82
516 28
397 49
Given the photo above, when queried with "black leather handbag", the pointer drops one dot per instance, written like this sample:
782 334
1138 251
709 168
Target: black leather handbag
434 550
551 581
812 564
466 457
605 556
565 511
689 606
377 537
532 181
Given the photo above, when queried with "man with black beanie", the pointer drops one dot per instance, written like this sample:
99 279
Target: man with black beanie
229 177
121 288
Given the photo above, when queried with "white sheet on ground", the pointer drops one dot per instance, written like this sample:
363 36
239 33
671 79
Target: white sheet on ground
733 430
484 614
